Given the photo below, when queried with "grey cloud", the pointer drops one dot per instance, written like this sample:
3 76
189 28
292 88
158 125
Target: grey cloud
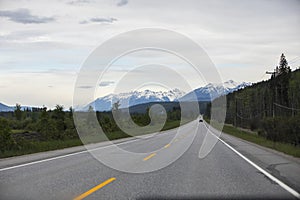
79 2
83 22
101 20
106 83
24 16
22 35
109 20
122 3
85 87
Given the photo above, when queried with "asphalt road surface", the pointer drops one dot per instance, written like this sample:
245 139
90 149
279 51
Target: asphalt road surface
224 173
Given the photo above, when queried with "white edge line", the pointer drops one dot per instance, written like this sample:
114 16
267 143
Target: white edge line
63 156
40 161
283 185
73 154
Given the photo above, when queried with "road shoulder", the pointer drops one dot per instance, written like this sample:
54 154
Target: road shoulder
284 167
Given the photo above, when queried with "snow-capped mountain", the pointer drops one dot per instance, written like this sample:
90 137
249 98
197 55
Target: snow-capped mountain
206 93
134 98
214 90
5 108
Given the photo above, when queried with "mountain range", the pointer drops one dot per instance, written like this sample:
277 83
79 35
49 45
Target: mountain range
5 108
212 91
206 93
129 99
134 98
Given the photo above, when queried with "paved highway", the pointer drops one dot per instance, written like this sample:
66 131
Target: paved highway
224 173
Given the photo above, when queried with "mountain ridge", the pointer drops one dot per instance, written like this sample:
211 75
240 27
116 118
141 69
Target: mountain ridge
129 99
214 90
208 92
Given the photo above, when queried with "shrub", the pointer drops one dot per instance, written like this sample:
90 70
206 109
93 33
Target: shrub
6 140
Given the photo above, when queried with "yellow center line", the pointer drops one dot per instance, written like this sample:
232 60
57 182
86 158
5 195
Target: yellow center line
167 146
150 156
94 189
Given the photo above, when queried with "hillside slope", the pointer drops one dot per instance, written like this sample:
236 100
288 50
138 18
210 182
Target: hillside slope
272 107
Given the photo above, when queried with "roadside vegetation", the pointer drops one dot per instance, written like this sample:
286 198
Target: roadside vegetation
270 109
254 137
40 129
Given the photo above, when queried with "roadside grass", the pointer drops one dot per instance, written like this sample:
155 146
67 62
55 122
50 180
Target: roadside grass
18 131
120 134
257 139
29 147
171 125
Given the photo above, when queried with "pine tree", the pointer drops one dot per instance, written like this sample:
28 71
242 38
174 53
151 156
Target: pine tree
6 139
282 81
116 106
18 112
283 65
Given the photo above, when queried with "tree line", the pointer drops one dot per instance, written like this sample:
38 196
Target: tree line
22 128
271 107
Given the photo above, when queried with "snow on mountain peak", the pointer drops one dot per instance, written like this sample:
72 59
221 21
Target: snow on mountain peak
128 99
214 90
132 98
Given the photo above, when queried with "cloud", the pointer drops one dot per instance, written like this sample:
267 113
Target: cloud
106 83
24 36
79 2
83 22
24 16
109 20
122 3
103 20
85 87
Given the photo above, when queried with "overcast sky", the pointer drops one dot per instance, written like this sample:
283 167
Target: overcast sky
44 43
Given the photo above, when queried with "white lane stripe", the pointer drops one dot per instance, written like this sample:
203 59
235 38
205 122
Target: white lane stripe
63 156
40 161
80 152
283 185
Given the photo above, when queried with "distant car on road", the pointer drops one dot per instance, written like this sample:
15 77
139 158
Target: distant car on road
200 120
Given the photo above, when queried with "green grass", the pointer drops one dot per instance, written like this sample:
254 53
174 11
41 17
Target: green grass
171 125
254 138
28 147
17 131
120 134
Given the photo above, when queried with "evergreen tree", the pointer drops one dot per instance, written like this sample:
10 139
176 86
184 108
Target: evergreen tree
6 140
283 65
18 112
59 118
116 106
46 125
91 115
282 81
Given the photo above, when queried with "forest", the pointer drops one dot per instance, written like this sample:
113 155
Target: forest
41 129
271 108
